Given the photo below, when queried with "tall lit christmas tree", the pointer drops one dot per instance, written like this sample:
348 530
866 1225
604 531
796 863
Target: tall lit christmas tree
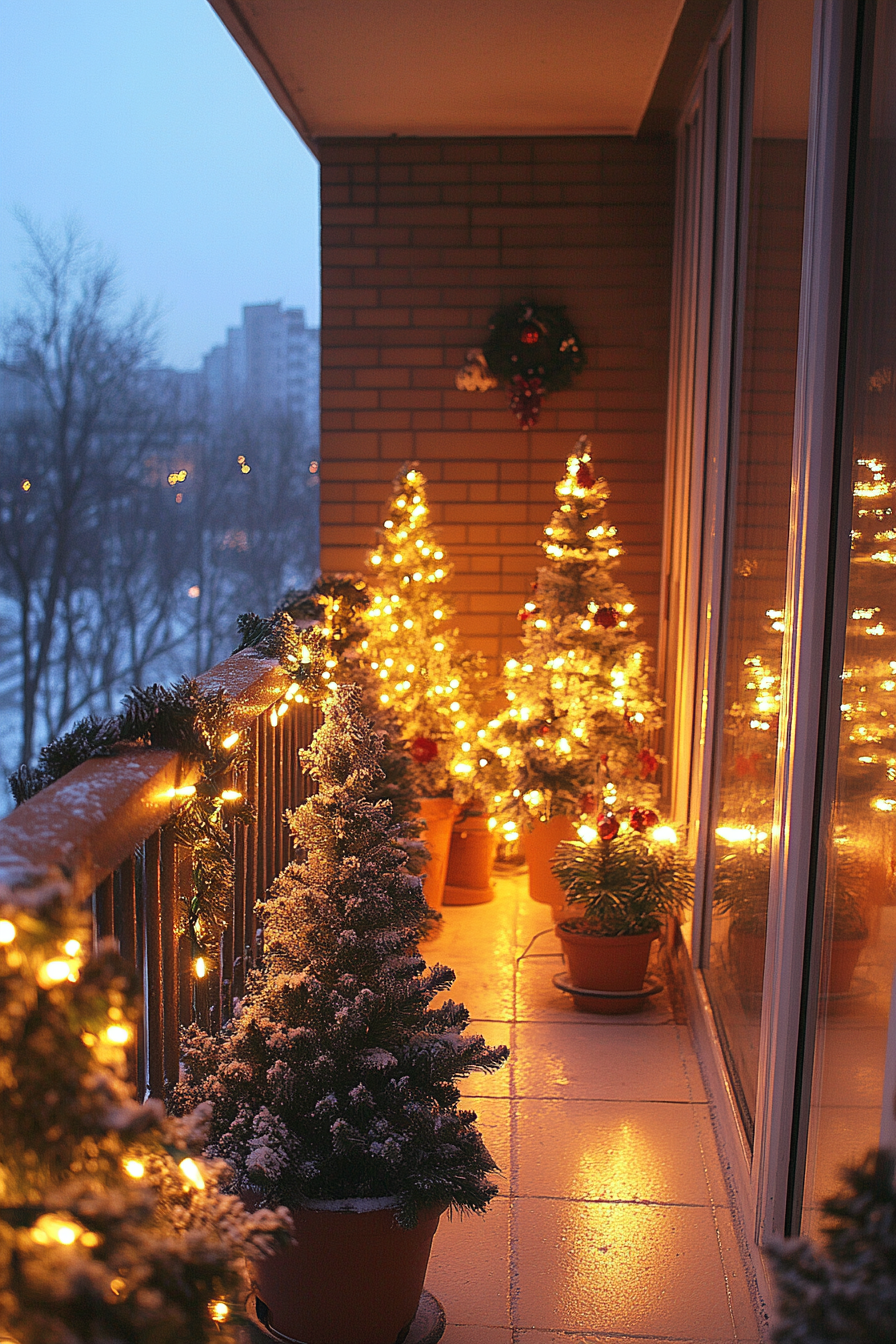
576 735
110 1229
422 672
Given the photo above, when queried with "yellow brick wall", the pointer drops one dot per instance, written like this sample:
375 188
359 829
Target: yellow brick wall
421 241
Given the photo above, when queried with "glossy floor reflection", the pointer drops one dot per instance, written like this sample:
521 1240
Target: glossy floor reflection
613 1220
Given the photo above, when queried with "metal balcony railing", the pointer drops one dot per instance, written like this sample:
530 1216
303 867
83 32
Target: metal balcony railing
103 832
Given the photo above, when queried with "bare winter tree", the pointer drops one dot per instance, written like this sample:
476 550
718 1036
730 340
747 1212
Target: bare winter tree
76 522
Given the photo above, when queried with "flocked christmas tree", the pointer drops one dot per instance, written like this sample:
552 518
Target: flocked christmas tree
578 727
337 1080
423 673
109 1229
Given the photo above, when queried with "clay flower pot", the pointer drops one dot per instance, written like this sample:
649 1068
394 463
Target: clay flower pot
845 953
348 1278
539 845
439 815
611 964
470 862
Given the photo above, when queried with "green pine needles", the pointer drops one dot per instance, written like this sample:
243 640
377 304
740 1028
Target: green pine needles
844 1293
337 1080
625 884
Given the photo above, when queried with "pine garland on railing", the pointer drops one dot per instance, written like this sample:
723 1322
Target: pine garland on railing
199 725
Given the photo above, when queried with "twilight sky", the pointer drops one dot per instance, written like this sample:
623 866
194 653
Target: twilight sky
143 119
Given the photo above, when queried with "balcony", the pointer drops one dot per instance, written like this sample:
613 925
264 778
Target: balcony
613 1217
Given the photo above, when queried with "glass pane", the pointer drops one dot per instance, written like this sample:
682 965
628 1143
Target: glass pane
859 950
758 541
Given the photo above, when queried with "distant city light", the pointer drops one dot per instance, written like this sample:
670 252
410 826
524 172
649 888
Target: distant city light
313 467
245 468
194 591
178 498
26 486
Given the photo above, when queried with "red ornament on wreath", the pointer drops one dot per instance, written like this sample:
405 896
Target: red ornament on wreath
606 618
529 334
608 826
423 749
641 818
526 396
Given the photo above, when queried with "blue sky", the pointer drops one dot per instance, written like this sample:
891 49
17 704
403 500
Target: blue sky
143 119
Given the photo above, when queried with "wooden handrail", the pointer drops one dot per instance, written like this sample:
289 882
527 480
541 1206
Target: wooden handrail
79 829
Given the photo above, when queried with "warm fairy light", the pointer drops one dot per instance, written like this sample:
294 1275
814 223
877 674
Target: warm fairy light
73 947
117 1034
283 707
55 971
192 1173
200 968
587 833
230 741
274 718
664 835
134 1169
7 931
739 835
219 1310
183 791
51 1227
884 804
230 795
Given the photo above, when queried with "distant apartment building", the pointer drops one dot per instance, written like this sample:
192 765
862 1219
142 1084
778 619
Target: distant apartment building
269 365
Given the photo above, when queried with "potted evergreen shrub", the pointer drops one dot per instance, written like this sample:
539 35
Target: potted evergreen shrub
334 1090
741 889
624 879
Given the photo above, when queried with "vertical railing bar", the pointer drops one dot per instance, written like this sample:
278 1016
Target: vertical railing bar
104 908
126 929
152 906
169 917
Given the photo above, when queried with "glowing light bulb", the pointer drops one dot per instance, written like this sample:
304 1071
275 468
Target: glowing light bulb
200 968
134 1168
664 835
219 1310
54 971
192 1173
587 833
73 947
7 931
117 1034
230 741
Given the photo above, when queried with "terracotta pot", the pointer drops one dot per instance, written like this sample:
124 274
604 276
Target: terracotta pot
470 863
845 953
746 955
348 1278
614 964
439 815
539 846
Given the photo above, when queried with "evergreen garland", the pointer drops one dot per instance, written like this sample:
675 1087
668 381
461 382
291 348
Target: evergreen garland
337 1080
194 723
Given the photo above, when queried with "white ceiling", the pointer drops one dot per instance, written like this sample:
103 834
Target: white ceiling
456 67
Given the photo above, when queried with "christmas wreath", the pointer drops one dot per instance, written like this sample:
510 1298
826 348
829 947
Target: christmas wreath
532 350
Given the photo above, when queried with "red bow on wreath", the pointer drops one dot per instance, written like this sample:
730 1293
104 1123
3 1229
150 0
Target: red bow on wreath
526 396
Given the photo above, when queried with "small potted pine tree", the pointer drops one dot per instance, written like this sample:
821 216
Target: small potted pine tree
624 880
432 685
334 1090
577 731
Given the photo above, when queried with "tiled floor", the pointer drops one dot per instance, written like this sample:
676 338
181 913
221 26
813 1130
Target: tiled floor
612 1221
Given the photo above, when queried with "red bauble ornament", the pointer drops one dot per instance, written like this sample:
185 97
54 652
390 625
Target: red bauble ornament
641 818
648 762
587 802
584 477
524 615
529 334
526 395
606 617
608 825
423 749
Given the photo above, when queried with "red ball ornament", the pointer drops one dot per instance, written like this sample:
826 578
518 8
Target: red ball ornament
641 818
648 762
529 334
608 826
606 617
423 749
584 476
